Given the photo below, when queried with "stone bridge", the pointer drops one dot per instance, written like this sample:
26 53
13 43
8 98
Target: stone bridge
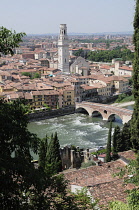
107 111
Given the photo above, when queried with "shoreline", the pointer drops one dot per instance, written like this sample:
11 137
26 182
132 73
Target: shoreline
50 114
62 112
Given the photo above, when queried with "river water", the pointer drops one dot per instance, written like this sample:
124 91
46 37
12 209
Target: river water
76 129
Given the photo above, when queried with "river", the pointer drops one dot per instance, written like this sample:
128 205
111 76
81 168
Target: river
76 129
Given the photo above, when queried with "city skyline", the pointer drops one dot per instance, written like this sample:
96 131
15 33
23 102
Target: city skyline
91 16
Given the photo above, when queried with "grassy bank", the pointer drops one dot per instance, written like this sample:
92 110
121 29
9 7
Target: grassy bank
124 98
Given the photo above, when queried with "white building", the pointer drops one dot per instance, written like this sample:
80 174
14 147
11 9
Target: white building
63 49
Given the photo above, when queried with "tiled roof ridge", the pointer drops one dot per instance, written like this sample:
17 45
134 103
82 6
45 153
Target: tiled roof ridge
112 181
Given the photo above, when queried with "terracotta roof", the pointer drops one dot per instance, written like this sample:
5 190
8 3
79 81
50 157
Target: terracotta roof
127 68
28 95
86 87
105 67
100 180
129 155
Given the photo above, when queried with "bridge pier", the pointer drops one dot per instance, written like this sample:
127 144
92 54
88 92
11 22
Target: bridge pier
90 114
126 119
105 118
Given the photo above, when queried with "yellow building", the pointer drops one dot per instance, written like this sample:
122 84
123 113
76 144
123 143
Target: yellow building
68 96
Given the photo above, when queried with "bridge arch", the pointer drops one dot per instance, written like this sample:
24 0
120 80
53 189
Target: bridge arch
96 113
82 110
107 111
112 117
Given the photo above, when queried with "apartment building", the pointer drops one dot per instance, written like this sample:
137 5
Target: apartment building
42 98
68 96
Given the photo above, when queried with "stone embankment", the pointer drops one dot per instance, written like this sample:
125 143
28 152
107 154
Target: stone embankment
41 115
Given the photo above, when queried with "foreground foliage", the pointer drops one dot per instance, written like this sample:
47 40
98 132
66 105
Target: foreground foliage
135 117
16 142
9 40
132 170
108 151
49 154
23 184
131 175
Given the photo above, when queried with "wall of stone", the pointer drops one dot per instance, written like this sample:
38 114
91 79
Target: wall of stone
73 158
40 115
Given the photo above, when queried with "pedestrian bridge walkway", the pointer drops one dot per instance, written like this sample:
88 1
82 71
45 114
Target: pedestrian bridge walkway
107 111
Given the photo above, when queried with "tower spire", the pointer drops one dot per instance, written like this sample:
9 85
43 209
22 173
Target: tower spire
63 49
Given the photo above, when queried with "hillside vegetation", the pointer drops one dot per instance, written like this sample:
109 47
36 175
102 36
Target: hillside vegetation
124 98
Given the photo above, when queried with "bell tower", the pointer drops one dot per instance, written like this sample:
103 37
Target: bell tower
63 49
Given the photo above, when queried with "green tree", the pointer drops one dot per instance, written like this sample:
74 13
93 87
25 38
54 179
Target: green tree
42 152
16 142
135 116
53 158
24 186
108 55
115 137
121 139
126 136
84 200
9 40
131 175
47 107
26 74
118 139
79 52
36 75
108 152
133 168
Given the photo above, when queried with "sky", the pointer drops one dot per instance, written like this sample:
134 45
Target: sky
81 16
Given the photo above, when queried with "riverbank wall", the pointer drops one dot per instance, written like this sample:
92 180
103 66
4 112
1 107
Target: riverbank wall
47 114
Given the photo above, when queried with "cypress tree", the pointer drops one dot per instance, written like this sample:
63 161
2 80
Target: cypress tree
126 136
108 153
135 116
120 145
42 152
53 157
115 137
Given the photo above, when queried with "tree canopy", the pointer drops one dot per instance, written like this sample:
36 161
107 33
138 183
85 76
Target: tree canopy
9 40
24 185
108 151
108 55
135 116
132 170
16 142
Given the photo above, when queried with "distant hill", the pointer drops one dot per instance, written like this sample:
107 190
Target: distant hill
85 34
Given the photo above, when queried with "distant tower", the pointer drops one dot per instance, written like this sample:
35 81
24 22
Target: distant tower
63 49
